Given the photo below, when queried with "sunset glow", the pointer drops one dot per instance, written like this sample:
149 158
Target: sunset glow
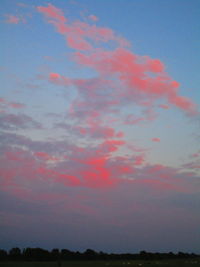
99 117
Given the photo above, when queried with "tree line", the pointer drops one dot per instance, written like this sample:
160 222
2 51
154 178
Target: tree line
39 254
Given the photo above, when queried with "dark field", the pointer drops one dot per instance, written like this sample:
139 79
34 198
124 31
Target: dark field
163 263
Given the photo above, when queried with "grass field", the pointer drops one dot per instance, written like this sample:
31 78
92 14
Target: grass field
164 263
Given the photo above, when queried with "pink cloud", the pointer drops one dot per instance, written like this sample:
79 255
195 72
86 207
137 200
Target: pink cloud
96 173
79 33
131 119
156 168
196 155
98 131
93 172
58 79
139 160
52 12
11 19
109 146
16 105
164 106
155 139
194 165
93 18
23 171
64 178
82 167
9 121
12 155
54 76
16 19
122 79
45 156
90 90
155 65
78 43
132 71
126 70
183 103
120 134
6 104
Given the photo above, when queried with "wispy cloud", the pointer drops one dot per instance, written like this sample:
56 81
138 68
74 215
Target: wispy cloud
12 19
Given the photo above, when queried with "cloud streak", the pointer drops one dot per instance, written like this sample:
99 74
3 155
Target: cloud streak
12 19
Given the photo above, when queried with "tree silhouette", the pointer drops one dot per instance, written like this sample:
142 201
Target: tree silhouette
90 254
39 254
15 253
55 254
3 255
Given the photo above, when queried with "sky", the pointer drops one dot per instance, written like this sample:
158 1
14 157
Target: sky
99 118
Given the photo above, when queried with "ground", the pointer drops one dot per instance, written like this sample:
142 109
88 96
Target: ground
156 263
